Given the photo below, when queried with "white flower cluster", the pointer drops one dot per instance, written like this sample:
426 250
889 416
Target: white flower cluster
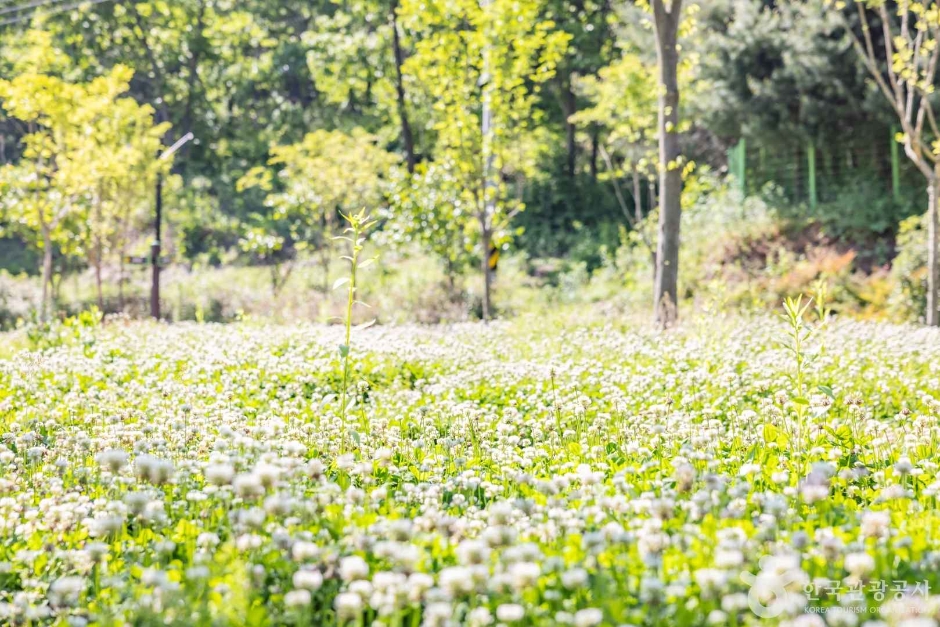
514 474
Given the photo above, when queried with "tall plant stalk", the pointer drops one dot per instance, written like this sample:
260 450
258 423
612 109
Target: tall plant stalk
355 234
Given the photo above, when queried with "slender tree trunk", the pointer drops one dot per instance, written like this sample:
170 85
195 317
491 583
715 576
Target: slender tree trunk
46 271
407 138
489 176
933 271
637 196
98 289
196 47
98 278
595 144
121 283
651 189
569 107
485 242
325 260
665 291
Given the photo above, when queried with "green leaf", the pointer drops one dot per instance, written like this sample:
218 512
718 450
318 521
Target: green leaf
364 325
343 350
770 433
338 283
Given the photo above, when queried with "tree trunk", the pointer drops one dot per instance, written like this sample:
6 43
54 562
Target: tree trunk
595 143
637 197
569 107
195 47
933 276
46 271
121 282
98 289
326 253
651 188
488 208
407 139
665 291
485 242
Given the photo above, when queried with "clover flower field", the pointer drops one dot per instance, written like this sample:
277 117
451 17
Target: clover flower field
521 473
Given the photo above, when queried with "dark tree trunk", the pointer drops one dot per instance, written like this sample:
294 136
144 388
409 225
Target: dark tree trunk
569 106
637 197
933 276
666 21
46 271
407 138
595 144
196 48
485 242
98 284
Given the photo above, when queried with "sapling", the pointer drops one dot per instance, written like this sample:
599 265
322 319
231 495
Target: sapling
355 234
799 333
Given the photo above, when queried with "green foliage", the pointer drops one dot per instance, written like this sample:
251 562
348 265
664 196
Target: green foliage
308 186
466 53
909 270
88 158
431 210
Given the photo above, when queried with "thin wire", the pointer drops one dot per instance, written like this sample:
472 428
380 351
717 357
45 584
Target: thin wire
28 5
59 7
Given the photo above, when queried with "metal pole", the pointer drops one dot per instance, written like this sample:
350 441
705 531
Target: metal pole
158 219
811 165
155 251
895 166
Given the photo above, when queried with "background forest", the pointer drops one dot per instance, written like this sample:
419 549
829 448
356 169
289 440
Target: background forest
794 174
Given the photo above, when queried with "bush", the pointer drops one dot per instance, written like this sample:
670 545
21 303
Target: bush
908 298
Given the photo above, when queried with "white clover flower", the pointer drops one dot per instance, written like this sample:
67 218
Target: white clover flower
348 605
588 617
353 567
524 575
112 459
267 474
859 564
574 578
456 580
298 598
66 590
308 580
248 485
220 474
734 603
479 617
903 466
418 584
875 524
303 551
437 614
473 552
510 612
